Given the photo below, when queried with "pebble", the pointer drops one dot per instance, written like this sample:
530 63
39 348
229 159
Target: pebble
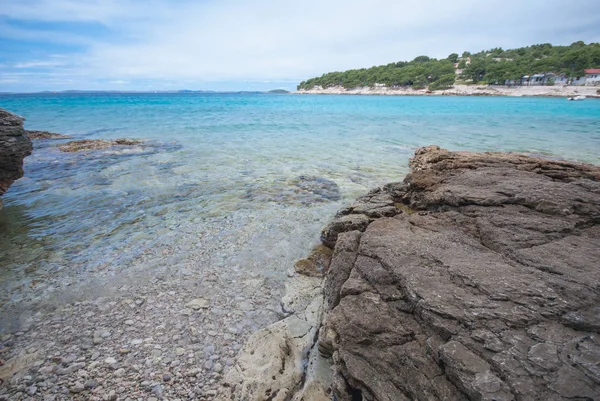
89 384
198 303
157 390
77 388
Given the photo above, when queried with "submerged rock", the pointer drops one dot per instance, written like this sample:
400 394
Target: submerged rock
301 190
14 147
45 135
317 262
96 144
486 290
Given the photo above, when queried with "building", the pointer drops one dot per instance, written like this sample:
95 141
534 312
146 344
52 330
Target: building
592 76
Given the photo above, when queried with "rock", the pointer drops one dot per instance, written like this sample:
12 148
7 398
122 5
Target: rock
157 390
90 384
45 135
84 145
316 264
486 288
198 303
271 365
301 190
77 388
342 224
14 147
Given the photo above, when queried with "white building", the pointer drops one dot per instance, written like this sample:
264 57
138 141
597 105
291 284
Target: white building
592 76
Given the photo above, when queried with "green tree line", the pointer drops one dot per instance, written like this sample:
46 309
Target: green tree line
493 66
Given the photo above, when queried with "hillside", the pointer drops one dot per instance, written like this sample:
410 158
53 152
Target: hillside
489 66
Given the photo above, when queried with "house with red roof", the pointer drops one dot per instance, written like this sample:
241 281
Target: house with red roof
592 76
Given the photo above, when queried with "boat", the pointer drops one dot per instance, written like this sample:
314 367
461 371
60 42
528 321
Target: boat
580 97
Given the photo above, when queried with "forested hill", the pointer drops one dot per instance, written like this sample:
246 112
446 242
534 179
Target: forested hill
490 66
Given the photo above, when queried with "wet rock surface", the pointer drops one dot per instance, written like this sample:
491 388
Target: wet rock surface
83 145
14 147
483 283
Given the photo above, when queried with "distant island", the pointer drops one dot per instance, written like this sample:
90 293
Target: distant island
536 65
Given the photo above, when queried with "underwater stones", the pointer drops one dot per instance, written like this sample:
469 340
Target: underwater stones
319 186
46 135
83 145
14 147
301 190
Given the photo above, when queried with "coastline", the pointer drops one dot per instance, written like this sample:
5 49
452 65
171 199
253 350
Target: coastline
461 90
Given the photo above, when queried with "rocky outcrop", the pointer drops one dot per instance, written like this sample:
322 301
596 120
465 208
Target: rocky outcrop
476 278
14 147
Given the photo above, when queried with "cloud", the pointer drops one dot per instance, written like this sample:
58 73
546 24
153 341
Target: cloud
208 41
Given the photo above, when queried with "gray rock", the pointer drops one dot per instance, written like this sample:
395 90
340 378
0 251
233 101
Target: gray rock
484 288
342 224
77 388
90 384
14 147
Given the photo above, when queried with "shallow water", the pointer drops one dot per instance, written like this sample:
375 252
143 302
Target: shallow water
245 180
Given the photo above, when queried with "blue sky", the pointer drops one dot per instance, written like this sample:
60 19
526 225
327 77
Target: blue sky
257 45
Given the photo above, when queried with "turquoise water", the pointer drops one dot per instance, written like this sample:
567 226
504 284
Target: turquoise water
270 168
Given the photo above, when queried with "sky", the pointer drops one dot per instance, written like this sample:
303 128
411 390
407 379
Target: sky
257 44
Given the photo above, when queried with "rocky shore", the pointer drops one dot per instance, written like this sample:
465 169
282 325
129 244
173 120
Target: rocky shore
475 278
461 90
14 147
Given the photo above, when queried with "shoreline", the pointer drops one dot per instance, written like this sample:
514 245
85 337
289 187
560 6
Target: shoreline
448 301
462 90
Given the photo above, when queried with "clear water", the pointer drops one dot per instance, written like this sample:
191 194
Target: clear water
220 172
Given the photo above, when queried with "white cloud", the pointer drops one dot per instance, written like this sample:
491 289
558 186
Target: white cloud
237 40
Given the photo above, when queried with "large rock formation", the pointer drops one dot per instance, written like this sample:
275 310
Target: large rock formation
14 146
477 278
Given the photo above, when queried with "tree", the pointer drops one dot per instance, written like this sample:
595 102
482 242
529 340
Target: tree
453 57
510 64
421 59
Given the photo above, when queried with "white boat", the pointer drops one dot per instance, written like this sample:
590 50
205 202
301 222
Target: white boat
580 97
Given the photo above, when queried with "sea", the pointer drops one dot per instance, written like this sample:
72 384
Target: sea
231 183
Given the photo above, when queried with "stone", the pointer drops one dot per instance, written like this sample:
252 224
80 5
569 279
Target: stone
341 224
317 263
77 388
45 135
14 147
198 303
482 286
90 384
272 362
86 145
